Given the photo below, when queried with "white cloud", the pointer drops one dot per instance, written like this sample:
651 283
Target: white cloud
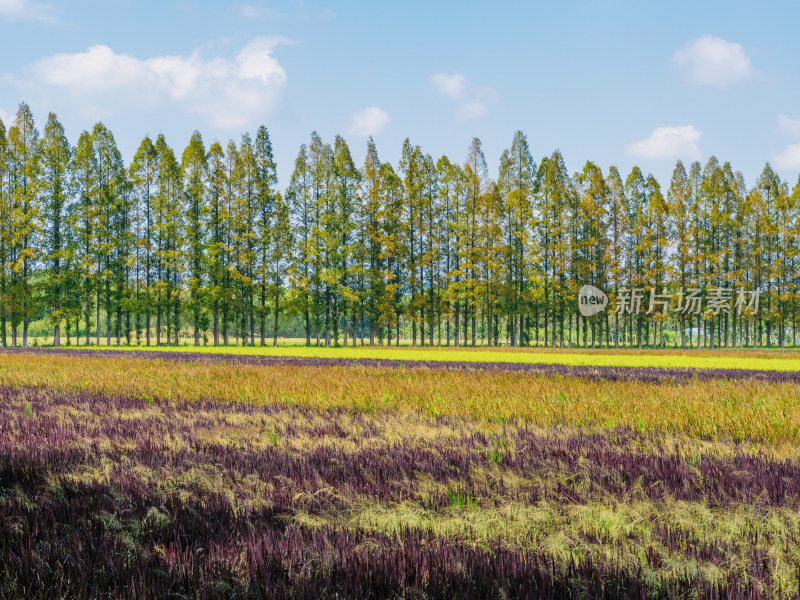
259 11
471 100
710 60
228 92
789 159
451 86
790 126
668 143
370 121
5 118
26 9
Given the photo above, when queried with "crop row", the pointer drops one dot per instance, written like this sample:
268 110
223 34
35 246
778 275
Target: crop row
644 374
78 546
714 409
306 451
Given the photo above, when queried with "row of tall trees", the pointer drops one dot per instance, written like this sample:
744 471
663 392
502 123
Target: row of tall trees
204 245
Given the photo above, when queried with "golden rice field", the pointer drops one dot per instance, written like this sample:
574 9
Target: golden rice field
735 409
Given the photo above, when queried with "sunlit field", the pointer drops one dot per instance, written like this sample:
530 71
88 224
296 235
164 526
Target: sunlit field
204 475
750 358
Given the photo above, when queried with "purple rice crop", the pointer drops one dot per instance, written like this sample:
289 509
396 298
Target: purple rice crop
105 496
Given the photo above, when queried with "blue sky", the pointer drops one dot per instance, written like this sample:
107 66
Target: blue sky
619 83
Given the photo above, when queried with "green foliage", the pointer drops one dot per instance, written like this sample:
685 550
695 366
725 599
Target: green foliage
432 253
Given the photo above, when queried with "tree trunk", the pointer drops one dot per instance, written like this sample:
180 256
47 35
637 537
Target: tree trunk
97 321
275 323
327 319
458 324
263 314
216 322
158 320
177 320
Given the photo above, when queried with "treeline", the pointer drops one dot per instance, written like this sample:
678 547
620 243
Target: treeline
205 244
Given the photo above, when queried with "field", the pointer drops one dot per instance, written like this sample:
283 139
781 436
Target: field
756 359
209 475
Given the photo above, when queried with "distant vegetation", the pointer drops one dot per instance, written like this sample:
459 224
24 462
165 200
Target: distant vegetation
434 251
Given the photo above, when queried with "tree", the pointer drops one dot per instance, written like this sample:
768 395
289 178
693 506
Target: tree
343 218
617 235
167 231
108 198
476 174
281 240
391 242
23 138
447 175
593 208
194 164
269 232
56 158
430 248
411 166
679 200
638 242
302 222
143 176
552 209
516 183
695 183
372 226
320 167
70 267
85 174
659 231
494 265
6 230
741 268
243 221
794 281
124 254
729 225
229 216
217 249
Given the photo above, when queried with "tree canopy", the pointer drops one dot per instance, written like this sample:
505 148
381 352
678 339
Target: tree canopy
204 246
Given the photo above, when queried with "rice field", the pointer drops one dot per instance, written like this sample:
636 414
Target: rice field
190 475
750 358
